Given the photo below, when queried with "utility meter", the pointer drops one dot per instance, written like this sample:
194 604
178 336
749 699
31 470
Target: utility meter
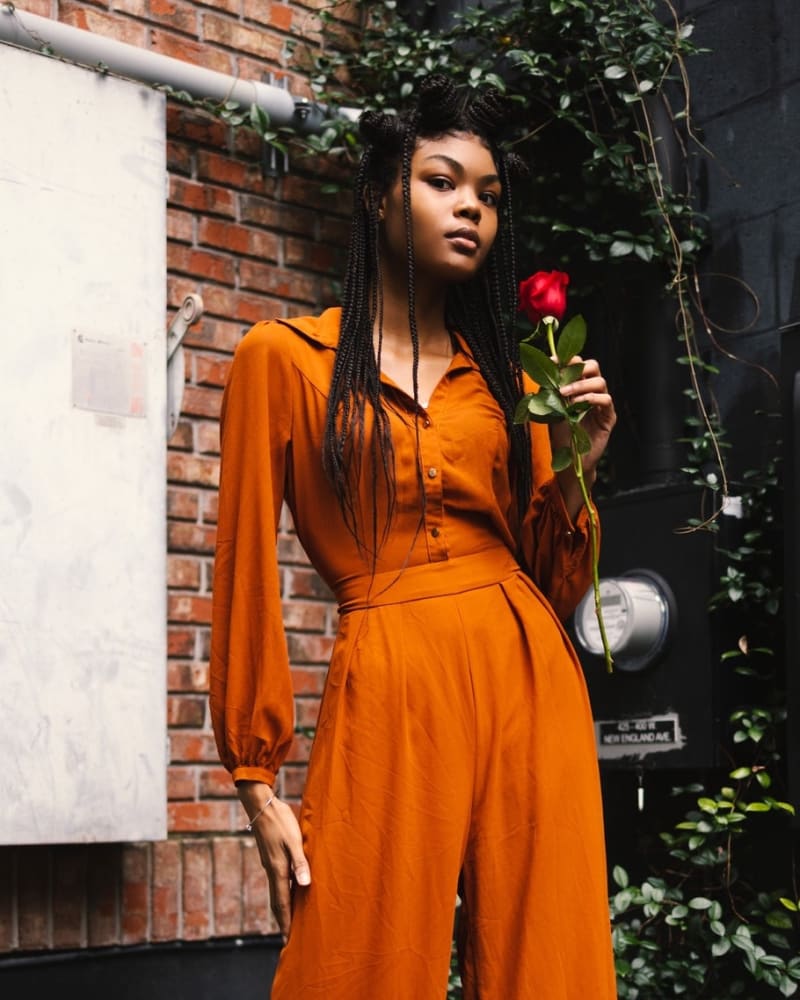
638 611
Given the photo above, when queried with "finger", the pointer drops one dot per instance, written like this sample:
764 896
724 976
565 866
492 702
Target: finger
280 901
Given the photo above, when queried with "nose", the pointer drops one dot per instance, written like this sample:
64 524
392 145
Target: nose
469 207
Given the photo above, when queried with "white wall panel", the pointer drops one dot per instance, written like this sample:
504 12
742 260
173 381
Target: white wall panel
82 455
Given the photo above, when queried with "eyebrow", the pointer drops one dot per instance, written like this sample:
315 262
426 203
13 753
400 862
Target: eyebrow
455 165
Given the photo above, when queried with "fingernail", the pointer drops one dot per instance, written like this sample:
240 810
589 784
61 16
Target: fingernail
303 878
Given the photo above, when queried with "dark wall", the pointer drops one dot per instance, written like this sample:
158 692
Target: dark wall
746 99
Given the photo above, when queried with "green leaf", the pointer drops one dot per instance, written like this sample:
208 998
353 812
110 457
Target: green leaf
570 373
562 459
536 363
757 807
571 340
521 412
614 72
620 876
621 248
582 440
699 903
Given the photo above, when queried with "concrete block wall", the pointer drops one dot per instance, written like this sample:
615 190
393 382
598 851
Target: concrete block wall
252 246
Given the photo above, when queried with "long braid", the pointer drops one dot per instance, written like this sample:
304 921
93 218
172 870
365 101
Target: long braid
482 309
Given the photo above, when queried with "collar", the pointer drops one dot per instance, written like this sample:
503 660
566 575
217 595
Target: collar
324 330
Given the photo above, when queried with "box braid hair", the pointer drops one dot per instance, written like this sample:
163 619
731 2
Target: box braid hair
481 309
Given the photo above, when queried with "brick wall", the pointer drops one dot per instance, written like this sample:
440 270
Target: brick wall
253 247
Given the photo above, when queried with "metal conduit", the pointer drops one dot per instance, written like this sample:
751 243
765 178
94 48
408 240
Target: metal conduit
41 34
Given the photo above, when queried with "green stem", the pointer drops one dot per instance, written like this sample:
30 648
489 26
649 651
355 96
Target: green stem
577 464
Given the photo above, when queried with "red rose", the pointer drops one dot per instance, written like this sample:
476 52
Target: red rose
544 294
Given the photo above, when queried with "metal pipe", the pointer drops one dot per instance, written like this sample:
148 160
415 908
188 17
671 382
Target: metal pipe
42 34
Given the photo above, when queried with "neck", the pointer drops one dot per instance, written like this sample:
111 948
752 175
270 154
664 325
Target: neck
429 311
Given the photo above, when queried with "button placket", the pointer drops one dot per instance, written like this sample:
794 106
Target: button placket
431 463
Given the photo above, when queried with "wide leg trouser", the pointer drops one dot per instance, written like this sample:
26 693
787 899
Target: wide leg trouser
454 752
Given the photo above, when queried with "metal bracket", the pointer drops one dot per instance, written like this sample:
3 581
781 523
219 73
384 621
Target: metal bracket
273 162
190 312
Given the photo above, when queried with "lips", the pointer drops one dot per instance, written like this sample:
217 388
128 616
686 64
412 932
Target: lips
465 239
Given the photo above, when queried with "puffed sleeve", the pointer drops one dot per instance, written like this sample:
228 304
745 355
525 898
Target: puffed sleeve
252 708
556 550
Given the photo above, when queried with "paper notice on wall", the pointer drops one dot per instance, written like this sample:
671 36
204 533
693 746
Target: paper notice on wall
108 376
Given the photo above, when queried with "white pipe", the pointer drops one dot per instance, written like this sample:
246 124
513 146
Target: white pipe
40 33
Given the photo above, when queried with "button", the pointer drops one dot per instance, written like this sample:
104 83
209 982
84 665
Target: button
435 532
426 422
432 473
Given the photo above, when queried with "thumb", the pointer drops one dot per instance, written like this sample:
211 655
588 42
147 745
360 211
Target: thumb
300 867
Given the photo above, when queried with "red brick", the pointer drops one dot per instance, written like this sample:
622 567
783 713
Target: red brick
308 680
300 749
211 370
232 6
197 890
274 215
234 35
187 676
294 781
183 436
229 170
207 198
180 225
180 16
177 289
307 713
183 504
204 639
203 402
181 783
33 897
42 8
123 29
166 889
69 897
216 783
291 551
184 537
256 917
192 469
135 894
183 573
314 256
180 641
277 281
309 194
227 875
185 710
215 333
309 648
210 507
307 583
199 817
192 748
193 125
189 608
305 616
103 884
247 308
167 43
208 438
180 157
183 259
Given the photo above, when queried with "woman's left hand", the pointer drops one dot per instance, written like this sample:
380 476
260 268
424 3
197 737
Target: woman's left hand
598 423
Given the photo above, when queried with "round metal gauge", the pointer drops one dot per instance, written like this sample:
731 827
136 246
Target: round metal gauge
638 613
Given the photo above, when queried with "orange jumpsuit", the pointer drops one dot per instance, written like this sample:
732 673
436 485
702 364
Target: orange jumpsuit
454 751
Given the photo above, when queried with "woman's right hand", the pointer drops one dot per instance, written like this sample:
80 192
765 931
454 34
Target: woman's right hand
280 846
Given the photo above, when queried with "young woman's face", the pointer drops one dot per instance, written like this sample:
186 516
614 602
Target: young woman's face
455 193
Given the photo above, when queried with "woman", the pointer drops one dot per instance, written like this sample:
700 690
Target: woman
454 750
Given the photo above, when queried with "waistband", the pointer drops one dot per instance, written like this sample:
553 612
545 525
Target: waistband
433 579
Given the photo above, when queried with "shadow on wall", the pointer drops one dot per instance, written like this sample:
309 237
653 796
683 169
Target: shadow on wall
210 970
